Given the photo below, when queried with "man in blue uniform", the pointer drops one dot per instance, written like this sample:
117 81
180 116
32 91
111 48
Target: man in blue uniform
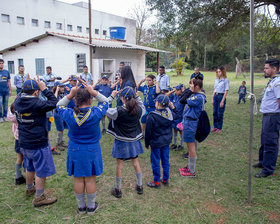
87 76
196 72
150 92
20 78
270 108
5 91
49 77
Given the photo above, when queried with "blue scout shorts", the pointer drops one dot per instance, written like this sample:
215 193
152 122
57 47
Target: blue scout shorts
60 124
39 161
190 127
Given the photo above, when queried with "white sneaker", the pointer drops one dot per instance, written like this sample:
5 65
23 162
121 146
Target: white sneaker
1 120
5 119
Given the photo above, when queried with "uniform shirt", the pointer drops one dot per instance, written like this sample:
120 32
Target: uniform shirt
270 97
150 94
4 77
19 80
105 90
193 75
83 128
179 107
87 77
221 85
242 90
163 81
47 78
194 106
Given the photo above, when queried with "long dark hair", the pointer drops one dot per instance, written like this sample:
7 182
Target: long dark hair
127 74
131 105
82 97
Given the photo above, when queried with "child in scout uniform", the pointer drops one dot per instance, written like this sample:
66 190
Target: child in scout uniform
150 92
220 92
159 136
59 92
84 158
105 89
195 104
180 108
126 129
33 138
12 117
242 92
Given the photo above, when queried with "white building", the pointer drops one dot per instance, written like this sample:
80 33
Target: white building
67 54
25 19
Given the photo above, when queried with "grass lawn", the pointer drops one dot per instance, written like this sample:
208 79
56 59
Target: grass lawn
217 195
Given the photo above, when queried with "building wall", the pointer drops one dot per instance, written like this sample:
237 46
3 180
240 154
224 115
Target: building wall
55 12
60 54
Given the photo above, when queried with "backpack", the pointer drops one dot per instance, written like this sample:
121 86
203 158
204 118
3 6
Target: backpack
203 126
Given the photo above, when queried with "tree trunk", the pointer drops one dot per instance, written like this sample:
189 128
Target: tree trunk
205 57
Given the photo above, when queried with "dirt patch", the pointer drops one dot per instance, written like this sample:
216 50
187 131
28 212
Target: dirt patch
221 221
275 217
212 143
215 208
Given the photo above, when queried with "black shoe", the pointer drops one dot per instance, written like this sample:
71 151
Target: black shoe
262 175
153 185
59 147
91 211
116 192
172 147
185 155
82 211
104 131
139 189
20 180
258 165
165 183
179 148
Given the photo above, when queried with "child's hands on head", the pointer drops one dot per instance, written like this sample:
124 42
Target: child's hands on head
89 88
73 92
171 105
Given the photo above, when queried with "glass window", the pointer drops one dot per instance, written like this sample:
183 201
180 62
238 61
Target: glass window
40 66
59 26
81 61
104 32
20 20
79 29
47 24
87 30
69 27
96 31
11 67
5 18
20 61
35 22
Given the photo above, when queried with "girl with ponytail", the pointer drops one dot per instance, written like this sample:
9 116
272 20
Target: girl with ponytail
126 129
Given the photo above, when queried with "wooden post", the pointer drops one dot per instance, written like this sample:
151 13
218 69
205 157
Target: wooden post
90 40
251 101
157 62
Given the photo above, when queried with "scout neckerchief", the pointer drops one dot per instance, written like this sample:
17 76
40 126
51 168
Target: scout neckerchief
83 119
147 94
22 79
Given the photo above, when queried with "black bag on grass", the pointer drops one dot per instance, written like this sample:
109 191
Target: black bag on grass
203 127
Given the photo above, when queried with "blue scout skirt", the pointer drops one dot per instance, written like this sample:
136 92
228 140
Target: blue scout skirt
190 127
126 150
84 160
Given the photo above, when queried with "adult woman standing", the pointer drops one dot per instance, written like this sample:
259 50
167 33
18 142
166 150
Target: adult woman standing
126 79
219 98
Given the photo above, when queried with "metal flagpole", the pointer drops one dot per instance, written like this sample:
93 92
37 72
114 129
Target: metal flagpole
251 100
90 40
